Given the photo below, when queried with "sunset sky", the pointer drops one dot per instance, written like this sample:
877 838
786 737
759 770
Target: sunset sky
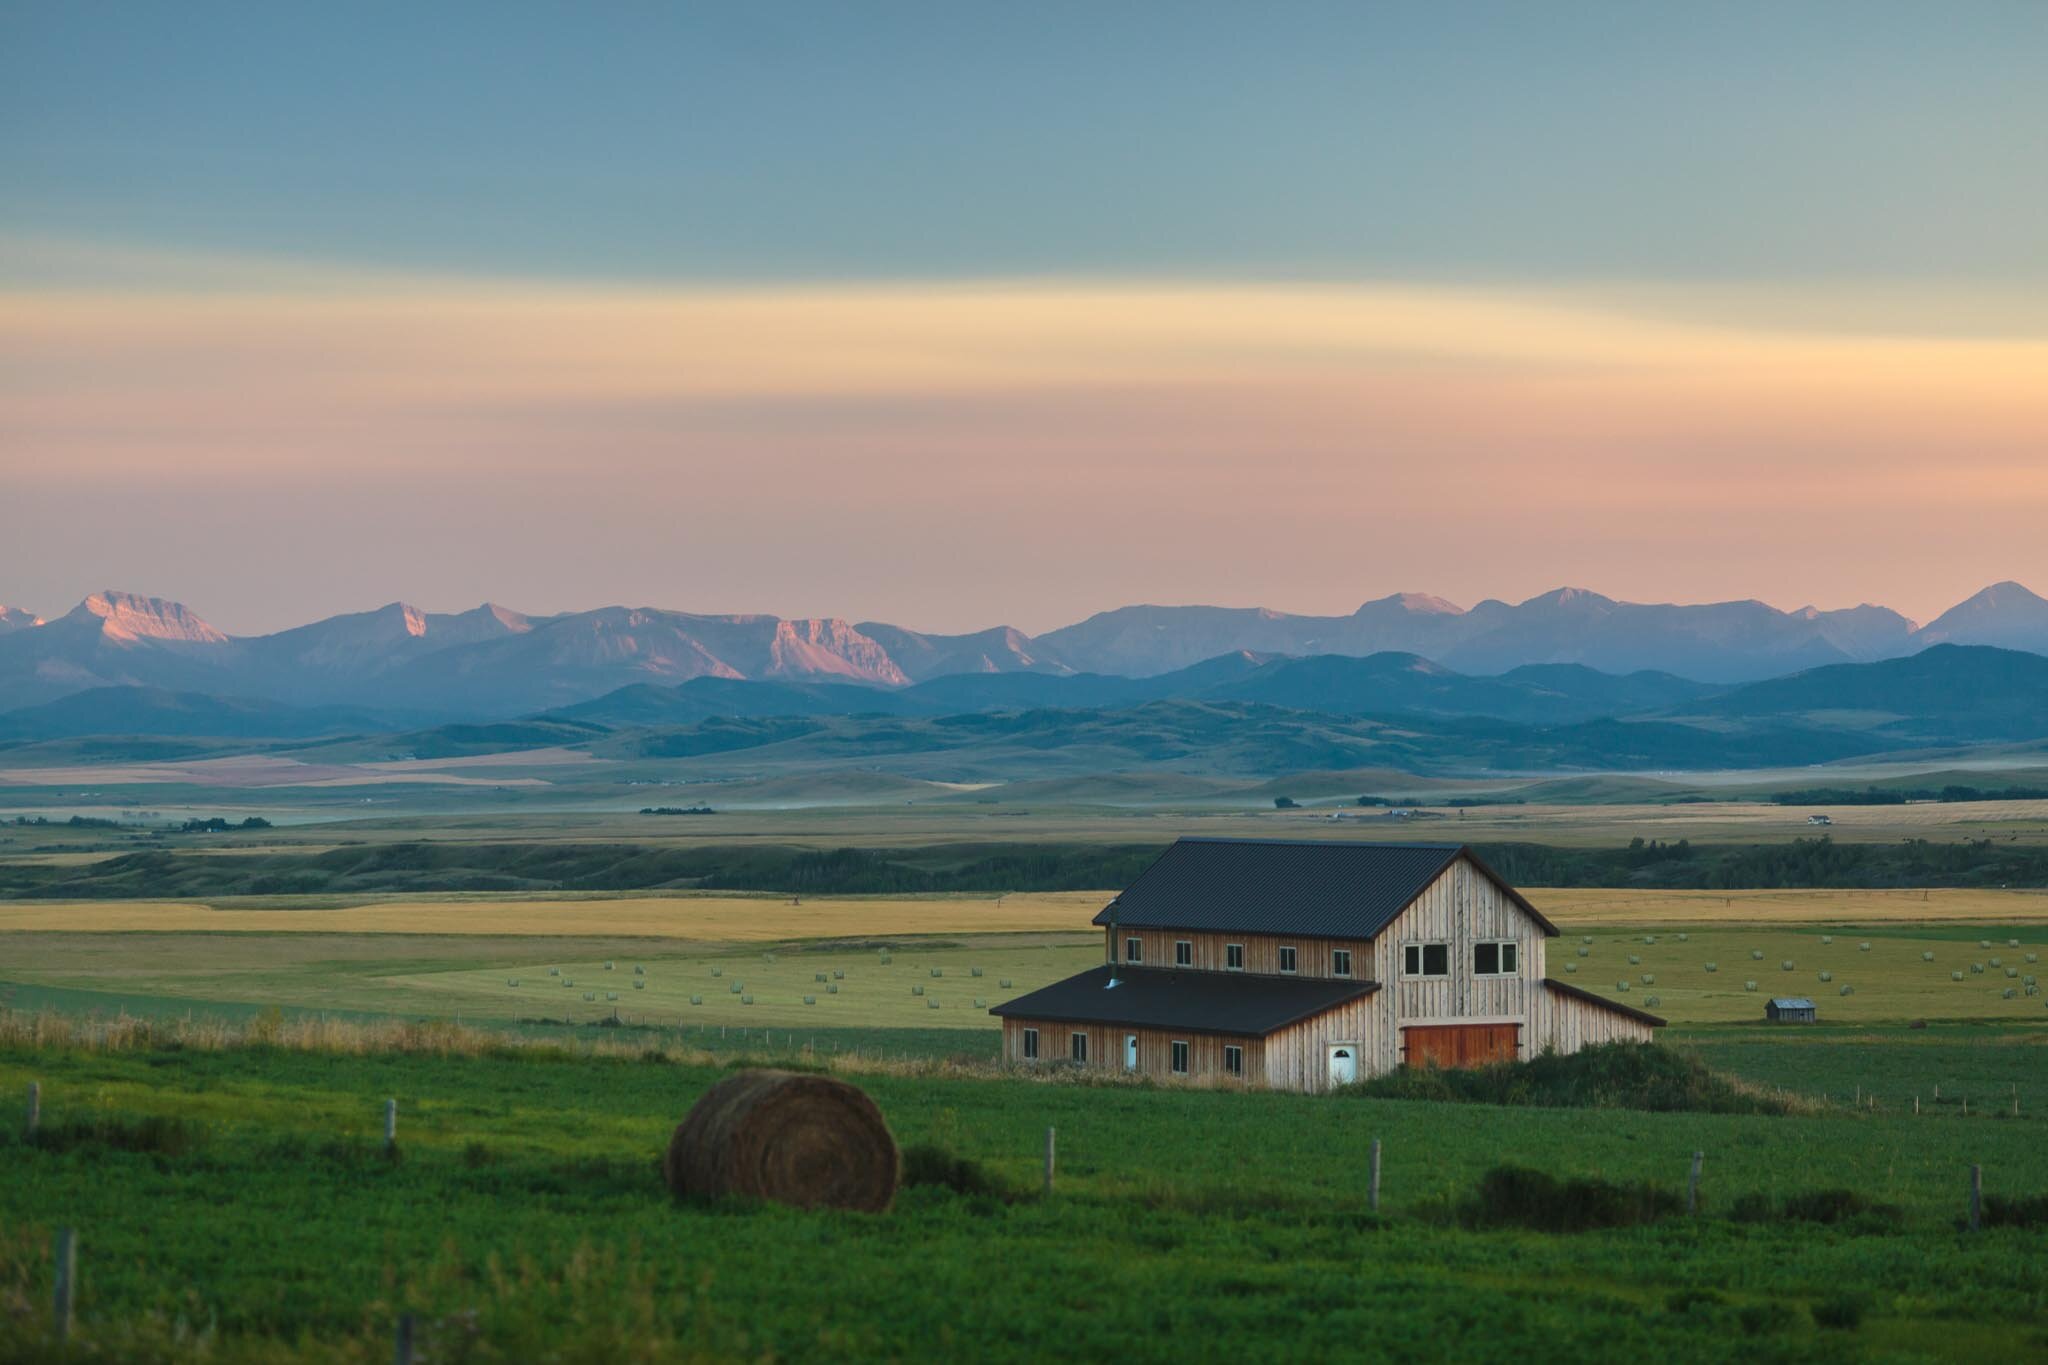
954 314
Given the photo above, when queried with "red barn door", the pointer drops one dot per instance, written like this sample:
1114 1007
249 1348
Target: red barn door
1450 1045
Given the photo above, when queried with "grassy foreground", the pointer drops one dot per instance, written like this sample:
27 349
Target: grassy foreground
256 1218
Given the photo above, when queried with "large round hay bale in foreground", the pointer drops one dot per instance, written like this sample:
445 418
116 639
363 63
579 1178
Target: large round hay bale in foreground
806 1140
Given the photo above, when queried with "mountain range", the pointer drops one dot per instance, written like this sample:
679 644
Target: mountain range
1245 717
492 662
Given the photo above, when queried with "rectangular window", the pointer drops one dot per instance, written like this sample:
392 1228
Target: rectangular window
1287 959
1134 950
1031 1045
1077 1047
1495 958
1180 1058
1340 962
1233 956
1425 959
1233 1060
1183 953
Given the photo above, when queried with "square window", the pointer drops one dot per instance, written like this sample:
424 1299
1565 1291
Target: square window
1183 953
1233 956
1031 1045
1501 957
1340 962
1425 959
1134 950
1180 1058
1287 959
1233 1060
1077 1047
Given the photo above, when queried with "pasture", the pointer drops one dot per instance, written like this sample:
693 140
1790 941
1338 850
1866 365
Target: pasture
525 1219
702 961
229 1173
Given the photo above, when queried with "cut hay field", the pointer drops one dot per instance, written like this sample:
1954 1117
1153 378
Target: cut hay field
1590 906
741 985
712 919
452 955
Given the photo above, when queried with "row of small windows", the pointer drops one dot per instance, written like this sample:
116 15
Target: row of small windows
1493 957
1233 956
1077 1050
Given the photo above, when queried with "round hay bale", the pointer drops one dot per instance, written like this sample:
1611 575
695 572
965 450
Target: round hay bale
811 1141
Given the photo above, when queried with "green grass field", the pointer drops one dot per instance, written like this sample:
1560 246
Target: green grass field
526 1221
441 957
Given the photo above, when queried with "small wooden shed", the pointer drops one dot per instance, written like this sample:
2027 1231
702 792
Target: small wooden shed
1791 1010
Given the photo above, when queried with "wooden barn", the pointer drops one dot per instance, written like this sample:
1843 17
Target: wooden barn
1302 965
1791 1010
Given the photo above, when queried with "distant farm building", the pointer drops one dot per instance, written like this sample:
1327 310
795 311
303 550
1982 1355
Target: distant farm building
1820 819
1303 965
1793 1010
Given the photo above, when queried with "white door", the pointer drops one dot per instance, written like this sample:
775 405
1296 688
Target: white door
1130 1052
1343 1064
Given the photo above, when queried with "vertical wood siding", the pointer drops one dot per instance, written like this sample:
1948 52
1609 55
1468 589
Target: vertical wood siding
1298 1057
1155 1050
1460 908
1313 956
1563 1023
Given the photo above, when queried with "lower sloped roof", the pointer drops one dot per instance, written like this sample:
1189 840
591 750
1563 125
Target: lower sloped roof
1577 993
1200 1002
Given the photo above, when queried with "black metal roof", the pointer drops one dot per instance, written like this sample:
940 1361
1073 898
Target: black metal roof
1317 888
1578 994
1200 1002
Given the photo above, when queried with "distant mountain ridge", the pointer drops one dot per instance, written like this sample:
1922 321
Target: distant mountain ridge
493 662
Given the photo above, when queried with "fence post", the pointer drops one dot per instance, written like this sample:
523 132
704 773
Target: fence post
35 1106
1373 1190
1976 1198
390 1125
67 1281
1692 1183
402 1346
1048 1159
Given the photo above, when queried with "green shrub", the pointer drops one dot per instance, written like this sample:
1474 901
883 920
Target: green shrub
1610 1076
156 1134
1817 1206
1694 1300
930 1164
1520 1197
2026 1211
1844 1310
1766 1319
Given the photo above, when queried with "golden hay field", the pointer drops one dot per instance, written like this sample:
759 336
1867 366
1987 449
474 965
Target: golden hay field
716 919
1940 906
754 919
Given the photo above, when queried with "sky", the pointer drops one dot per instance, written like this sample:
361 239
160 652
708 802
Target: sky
954 314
